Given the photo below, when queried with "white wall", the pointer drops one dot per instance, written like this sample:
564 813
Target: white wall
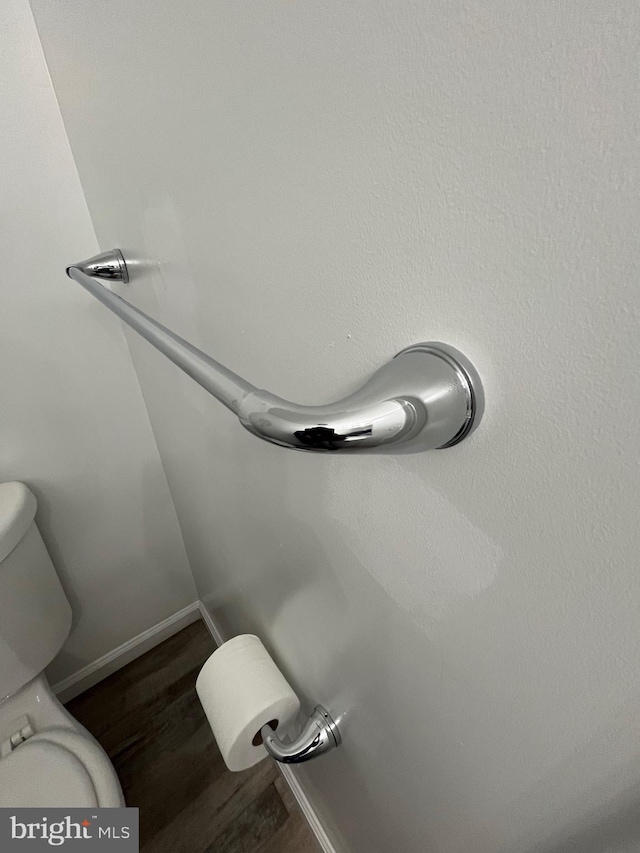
74 425
324 184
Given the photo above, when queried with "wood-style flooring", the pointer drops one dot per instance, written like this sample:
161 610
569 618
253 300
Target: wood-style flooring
148 719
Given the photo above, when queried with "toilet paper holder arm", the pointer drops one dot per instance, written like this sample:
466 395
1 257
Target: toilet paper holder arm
319 734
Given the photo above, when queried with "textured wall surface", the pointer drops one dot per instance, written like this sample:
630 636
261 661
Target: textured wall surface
323 184
73 423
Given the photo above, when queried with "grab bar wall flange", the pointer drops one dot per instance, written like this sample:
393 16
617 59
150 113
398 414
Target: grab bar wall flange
429 396
108 266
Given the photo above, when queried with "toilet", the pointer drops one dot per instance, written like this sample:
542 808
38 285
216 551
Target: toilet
47 759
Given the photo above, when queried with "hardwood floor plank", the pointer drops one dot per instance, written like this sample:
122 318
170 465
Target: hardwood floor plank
211 811
145 679
285 792
293 836
257 824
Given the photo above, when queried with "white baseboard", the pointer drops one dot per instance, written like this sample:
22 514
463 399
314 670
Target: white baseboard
287 771
127 652
213 629
306 808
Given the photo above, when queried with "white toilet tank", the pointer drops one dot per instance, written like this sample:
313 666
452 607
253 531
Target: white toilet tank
35 616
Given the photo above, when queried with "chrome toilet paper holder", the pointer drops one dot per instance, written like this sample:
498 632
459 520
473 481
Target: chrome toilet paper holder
319 734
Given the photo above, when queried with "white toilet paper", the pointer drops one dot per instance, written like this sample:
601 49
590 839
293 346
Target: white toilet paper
241 689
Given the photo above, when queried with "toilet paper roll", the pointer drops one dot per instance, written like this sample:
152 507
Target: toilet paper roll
241 689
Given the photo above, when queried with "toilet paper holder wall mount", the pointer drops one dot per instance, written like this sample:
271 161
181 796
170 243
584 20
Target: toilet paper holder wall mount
319 734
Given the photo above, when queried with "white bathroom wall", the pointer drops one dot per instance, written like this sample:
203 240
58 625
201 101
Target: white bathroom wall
323 184
73 425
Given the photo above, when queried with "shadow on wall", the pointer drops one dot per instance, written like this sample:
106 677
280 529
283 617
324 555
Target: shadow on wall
614 829
46 497
605 815
106 575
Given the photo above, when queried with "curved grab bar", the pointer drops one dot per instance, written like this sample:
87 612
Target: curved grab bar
429 396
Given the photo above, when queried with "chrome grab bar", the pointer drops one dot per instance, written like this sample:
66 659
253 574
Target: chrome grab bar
429 396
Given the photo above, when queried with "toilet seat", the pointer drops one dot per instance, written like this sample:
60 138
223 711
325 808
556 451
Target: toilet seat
58 768
44 775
